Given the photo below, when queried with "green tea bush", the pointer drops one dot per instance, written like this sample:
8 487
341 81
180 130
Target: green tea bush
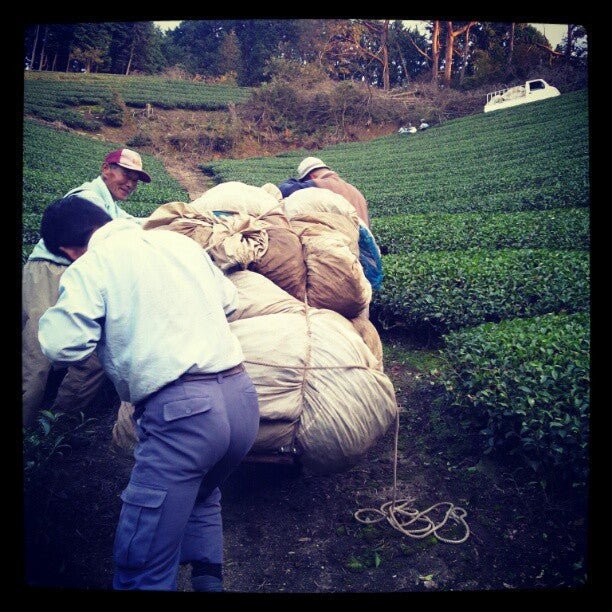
526 383
557 229
112 113
443 291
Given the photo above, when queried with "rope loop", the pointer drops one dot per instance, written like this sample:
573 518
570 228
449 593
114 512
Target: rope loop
416 524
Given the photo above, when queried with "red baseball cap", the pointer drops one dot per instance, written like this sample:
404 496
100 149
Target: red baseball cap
129 159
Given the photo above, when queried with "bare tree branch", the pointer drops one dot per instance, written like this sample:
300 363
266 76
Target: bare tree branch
423 53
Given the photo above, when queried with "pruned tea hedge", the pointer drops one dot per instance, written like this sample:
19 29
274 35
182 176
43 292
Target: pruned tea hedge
526 382
447 290
556 229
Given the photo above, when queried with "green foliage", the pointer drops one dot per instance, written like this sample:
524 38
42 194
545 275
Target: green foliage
55 162
526 382
556 229
450 289
112 113
44 442
48 96
530 157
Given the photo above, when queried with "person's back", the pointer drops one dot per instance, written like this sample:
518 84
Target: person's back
154 305
160 295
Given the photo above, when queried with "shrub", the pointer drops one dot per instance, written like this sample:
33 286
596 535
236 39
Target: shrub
443 291
557 229
112 113
140 140
307 110
526 383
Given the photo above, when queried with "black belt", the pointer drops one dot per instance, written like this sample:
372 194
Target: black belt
210 376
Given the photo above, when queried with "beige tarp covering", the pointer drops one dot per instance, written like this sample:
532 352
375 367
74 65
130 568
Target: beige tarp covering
320 388
310 366
314 200
230 241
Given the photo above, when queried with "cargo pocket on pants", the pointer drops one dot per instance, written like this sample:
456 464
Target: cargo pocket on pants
142 508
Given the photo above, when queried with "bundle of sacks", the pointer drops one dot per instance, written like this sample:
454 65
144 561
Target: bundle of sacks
310 349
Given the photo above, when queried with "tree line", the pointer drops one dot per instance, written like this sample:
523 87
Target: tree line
384 53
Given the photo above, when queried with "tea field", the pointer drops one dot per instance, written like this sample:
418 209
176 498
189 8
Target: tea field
531 157
56 161
484 226
60 96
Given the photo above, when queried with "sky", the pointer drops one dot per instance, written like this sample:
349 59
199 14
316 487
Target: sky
553 31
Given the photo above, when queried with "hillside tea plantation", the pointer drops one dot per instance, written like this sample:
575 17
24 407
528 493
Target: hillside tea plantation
57 96
484 226
55 162
530 157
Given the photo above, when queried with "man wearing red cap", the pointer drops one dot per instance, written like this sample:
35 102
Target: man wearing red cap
119 176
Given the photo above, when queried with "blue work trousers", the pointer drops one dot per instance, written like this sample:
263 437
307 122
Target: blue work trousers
192 436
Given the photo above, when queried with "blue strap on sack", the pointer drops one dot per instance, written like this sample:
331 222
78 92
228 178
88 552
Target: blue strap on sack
369 257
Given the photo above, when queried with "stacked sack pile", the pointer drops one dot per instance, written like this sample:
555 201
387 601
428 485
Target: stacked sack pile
302 321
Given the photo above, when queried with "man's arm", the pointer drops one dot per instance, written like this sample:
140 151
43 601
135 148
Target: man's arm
70 331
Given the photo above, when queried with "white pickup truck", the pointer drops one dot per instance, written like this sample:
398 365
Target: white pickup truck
521 94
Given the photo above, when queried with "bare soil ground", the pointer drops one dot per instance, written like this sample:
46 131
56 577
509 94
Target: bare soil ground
288 531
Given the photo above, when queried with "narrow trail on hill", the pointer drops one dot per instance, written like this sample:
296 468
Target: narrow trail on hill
192 179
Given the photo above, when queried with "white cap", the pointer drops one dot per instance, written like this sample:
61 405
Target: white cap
308 165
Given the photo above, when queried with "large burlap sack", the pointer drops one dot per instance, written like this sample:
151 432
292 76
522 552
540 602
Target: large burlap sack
314 200
333 221
335 277
238 197
318 262
310 368
321 390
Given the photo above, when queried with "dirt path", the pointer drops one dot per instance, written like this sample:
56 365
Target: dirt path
297 533
188 175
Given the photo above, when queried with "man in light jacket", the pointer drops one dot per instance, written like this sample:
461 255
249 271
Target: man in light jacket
154 306
119 176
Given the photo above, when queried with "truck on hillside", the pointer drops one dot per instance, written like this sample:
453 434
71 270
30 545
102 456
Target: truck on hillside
537 89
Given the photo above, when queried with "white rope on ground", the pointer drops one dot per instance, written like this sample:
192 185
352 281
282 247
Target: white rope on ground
401 515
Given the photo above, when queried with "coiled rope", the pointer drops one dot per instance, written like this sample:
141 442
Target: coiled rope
416 524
